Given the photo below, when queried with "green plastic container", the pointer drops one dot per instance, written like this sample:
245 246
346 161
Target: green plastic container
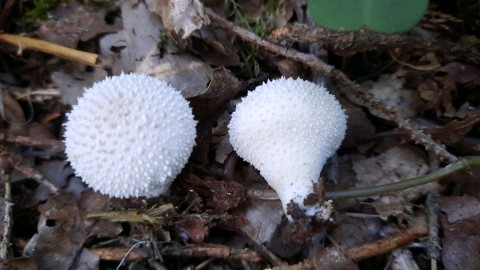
386 16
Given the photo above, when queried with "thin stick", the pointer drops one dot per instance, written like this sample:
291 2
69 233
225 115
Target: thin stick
460 164
7 218
434 247
381 246
24 43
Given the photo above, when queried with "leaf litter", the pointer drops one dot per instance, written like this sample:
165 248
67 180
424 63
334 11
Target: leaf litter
220 212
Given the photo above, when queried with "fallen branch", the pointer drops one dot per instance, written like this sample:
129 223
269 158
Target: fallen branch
364 40
367 250
26 43
211 250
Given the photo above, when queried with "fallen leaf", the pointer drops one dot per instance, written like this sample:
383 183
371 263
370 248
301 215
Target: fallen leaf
135 49
461 230
459 208
181 16
194 229
332 258
389 90
63 230
74 22
263 217
461 73
453 131
395 164
223 87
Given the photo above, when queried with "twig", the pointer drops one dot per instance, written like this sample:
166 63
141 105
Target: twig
434 247
364 251
211 250
27 141
118 253
251 37
23 43
122 262
27 171
7 216
364 40
330 71
381 246
305 265
460 164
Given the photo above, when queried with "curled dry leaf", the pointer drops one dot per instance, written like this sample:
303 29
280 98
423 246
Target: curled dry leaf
454 130
136 48
181 16
223 87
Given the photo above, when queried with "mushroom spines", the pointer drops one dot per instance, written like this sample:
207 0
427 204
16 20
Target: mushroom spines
287 129
130 135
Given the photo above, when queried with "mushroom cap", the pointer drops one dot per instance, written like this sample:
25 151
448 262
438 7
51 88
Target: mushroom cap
287 129
129 136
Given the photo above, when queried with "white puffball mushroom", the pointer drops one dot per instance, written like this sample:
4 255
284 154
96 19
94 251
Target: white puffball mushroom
129 136
287 129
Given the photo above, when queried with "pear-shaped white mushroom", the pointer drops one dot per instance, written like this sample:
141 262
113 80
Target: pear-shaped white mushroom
129 136
287 129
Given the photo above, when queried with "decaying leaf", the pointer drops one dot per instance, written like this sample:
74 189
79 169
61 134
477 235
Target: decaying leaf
181 16
135 48
461 73
393 165
453 131
63 230
74 22
223 87
263 216
390 91
461 242
460 208
332 258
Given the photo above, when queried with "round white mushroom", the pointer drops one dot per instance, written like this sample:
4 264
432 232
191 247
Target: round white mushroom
129 136
287 129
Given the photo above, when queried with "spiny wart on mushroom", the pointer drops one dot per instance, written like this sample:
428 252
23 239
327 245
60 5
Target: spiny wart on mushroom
288 129
129 136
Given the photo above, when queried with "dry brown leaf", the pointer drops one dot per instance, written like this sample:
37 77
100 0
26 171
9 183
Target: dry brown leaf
136 49
461 73
460 208
181 16
223 87
395 164
461 241
453 131
76 22
389 90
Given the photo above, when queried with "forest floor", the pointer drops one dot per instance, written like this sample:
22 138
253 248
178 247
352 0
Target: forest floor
413 111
